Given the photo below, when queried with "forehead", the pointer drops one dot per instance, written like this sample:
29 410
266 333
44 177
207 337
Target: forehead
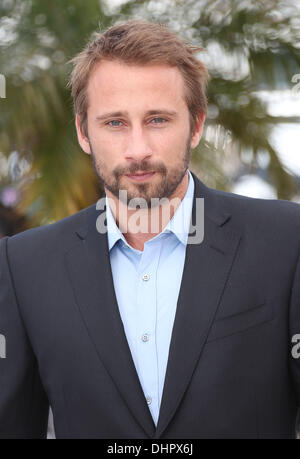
115 83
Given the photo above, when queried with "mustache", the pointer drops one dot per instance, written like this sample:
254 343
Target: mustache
140 169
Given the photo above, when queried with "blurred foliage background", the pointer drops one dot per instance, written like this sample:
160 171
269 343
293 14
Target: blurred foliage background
250 47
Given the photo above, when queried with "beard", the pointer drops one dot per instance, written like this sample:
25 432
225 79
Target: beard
170 178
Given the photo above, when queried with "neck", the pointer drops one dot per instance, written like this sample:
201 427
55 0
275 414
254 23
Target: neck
140 225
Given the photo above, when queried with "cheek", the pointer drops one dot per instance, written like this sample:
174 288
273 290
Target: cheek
106 146
174 147
109 141
166 142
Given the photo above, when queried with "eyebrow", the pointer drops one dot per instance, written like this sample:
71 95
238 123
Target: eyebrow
159 111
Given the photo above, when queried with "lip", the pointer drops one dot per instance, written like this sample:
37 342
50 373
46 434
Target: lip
141 177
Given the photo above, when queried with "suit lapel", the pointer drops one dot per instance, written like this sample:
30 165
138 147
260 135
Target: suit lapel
206 270
90 274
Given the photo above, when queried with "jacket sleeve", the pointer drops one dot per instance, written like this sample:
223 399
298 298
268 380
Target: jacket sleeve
294 325
23 403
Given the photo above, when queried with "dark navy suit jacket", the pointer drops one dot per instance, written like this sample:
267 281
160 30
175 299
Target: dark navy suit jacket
230 371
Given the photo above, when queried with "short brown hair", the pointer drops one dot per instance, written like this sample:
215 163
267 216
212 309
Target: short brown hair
142 43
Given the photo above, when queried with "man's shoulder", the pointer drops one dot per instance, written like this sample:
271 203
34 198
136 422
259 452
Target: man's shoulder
250 212
55 234
240 206
251 204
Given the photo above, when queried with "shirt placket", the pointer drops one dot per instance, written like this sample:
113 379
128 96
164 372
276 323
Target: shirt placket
146 325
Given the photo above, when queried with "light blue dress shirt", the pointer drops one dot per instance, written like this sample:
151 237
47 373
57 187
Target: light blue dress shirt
147 285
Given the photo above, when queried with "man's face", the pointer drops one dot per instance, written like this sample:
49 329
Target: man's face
138 122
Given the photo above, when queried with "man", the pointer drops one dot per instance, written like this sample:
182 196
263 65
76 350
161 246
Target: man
163 333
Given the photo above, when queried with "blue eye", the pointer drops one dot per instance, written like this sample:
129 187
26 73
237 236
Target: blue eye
118 123
155 119
114 121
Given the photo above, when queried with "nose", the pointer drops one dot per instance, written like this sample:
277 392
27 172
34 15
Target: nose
137 148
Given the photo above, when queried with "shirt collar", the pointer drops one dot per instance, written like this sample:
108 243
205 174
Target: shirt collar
179 224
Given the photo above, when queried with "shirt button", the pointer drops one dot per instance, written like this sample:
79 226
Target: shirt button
149 400
146 277
145 337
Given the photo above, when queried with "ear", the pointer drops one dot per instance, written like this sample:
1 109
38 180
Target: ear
82 139
198 130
